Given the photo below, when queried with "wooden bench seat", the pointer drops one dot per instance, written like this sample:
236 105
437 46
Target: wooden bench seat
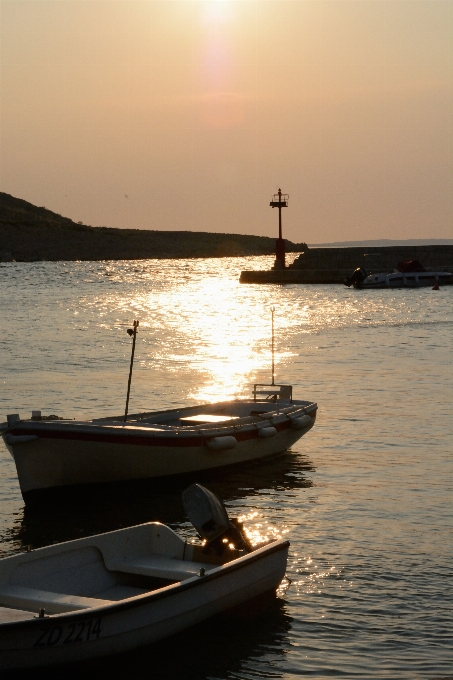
158 566
8 615
269 393
31 599
273 391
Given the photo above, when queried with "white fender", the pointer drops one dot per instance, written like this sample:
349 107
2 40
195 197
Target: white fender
222 443
267 432
301 422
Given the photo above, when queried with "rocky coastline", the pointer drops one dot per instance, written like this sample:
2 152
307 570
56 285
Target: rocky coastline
29 233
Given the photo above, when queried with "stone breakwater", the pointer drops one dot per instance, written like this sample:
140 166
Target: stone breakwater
333 265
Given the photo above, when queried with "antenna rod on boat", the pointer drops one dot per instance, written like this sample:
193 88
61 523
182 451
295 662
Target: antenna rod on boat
132 332
273 371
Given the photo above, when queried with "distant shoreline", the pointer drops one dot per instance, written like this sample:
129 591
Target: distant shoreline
32 234
385 243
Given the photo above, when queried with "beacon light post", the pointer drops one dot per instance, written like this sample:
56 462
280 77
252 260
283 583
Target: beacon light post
279 201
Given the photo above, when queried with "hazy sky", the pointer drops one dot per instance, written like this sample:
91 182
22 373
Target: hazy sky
188 114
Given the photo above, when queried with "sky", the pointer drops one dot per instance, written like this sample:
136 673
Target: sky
189 114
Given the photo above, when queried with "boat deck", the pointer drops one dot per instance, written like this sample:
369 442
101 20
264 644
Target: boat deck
220 414
95 575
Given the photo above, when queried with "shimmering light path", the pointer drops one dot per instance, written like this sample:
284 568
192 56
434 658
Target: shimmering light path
365 497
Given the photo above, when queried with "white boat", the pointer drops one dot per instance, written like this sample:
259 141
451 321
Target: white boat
117 591
397 279
51 452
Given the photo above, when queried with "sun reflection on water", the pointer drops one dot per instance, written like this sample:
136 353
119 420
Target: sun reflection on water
203 336
261 531
311 578
223 340
354 524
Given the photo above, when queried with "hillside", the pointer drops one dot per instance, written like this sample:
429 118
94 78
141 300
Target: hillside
29 233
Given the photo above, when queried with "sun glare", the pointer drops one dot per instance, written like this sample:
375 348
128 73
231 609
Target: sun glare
216 337
217 12
222 107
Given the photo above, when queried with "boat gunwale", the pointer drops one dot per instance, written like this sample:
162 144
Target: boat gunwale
186 409
218 571
178 436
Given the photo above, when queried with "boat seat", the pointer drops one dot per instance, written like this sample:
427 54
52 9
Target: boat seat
158 566
8 615
31 599
120 592
273 391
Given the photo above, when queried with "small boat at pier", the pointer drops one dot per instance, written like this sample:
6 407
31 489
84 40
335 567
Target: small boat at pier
117 591
52 452
407 275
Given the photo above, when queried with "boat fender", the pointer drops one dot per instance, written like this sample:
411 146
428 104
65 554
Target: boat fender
267 432
301 422
19 439
222 443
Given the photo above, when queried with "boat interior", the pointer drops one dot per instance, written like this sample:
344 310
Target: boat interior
268 399
100 570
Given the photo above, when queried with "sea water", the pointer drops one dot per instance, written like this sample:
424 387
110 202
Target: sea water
364 498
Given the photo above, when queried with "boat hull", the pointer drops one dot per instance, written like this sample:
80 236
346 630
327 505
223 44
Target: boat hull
50 456
138 621
405 280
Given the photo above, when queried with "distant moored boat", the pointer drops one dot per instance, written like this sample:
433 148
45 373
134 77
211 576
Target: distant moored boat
407 275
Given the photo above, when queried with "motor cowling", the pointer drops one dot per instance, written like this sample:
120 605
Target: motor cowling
357 276
208 515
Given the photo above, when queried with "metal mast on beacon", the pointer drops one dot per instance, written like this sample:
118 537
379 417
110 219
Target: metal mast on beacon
279 201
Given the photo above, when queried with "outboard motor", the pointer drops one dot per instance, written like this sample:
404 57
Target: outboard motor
357 276
210 518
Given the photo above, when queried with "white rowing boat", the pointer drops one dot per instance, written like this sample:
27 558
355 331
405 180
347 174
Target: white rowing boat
51 452
114 592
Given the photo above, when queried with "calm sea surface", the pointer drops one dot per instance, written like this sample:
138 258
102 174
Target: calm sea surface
365 497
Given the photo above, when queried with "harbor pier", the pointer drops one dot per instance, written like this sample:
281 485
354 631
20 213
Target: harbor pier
333 265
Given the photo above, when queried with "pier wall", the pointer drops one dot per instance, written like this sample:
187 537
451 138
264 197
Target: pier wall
295 276
374 258
333 265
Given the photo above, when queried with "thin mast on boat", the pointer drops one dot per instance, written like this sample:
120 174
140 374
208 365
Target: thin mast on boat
133 333
273 369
